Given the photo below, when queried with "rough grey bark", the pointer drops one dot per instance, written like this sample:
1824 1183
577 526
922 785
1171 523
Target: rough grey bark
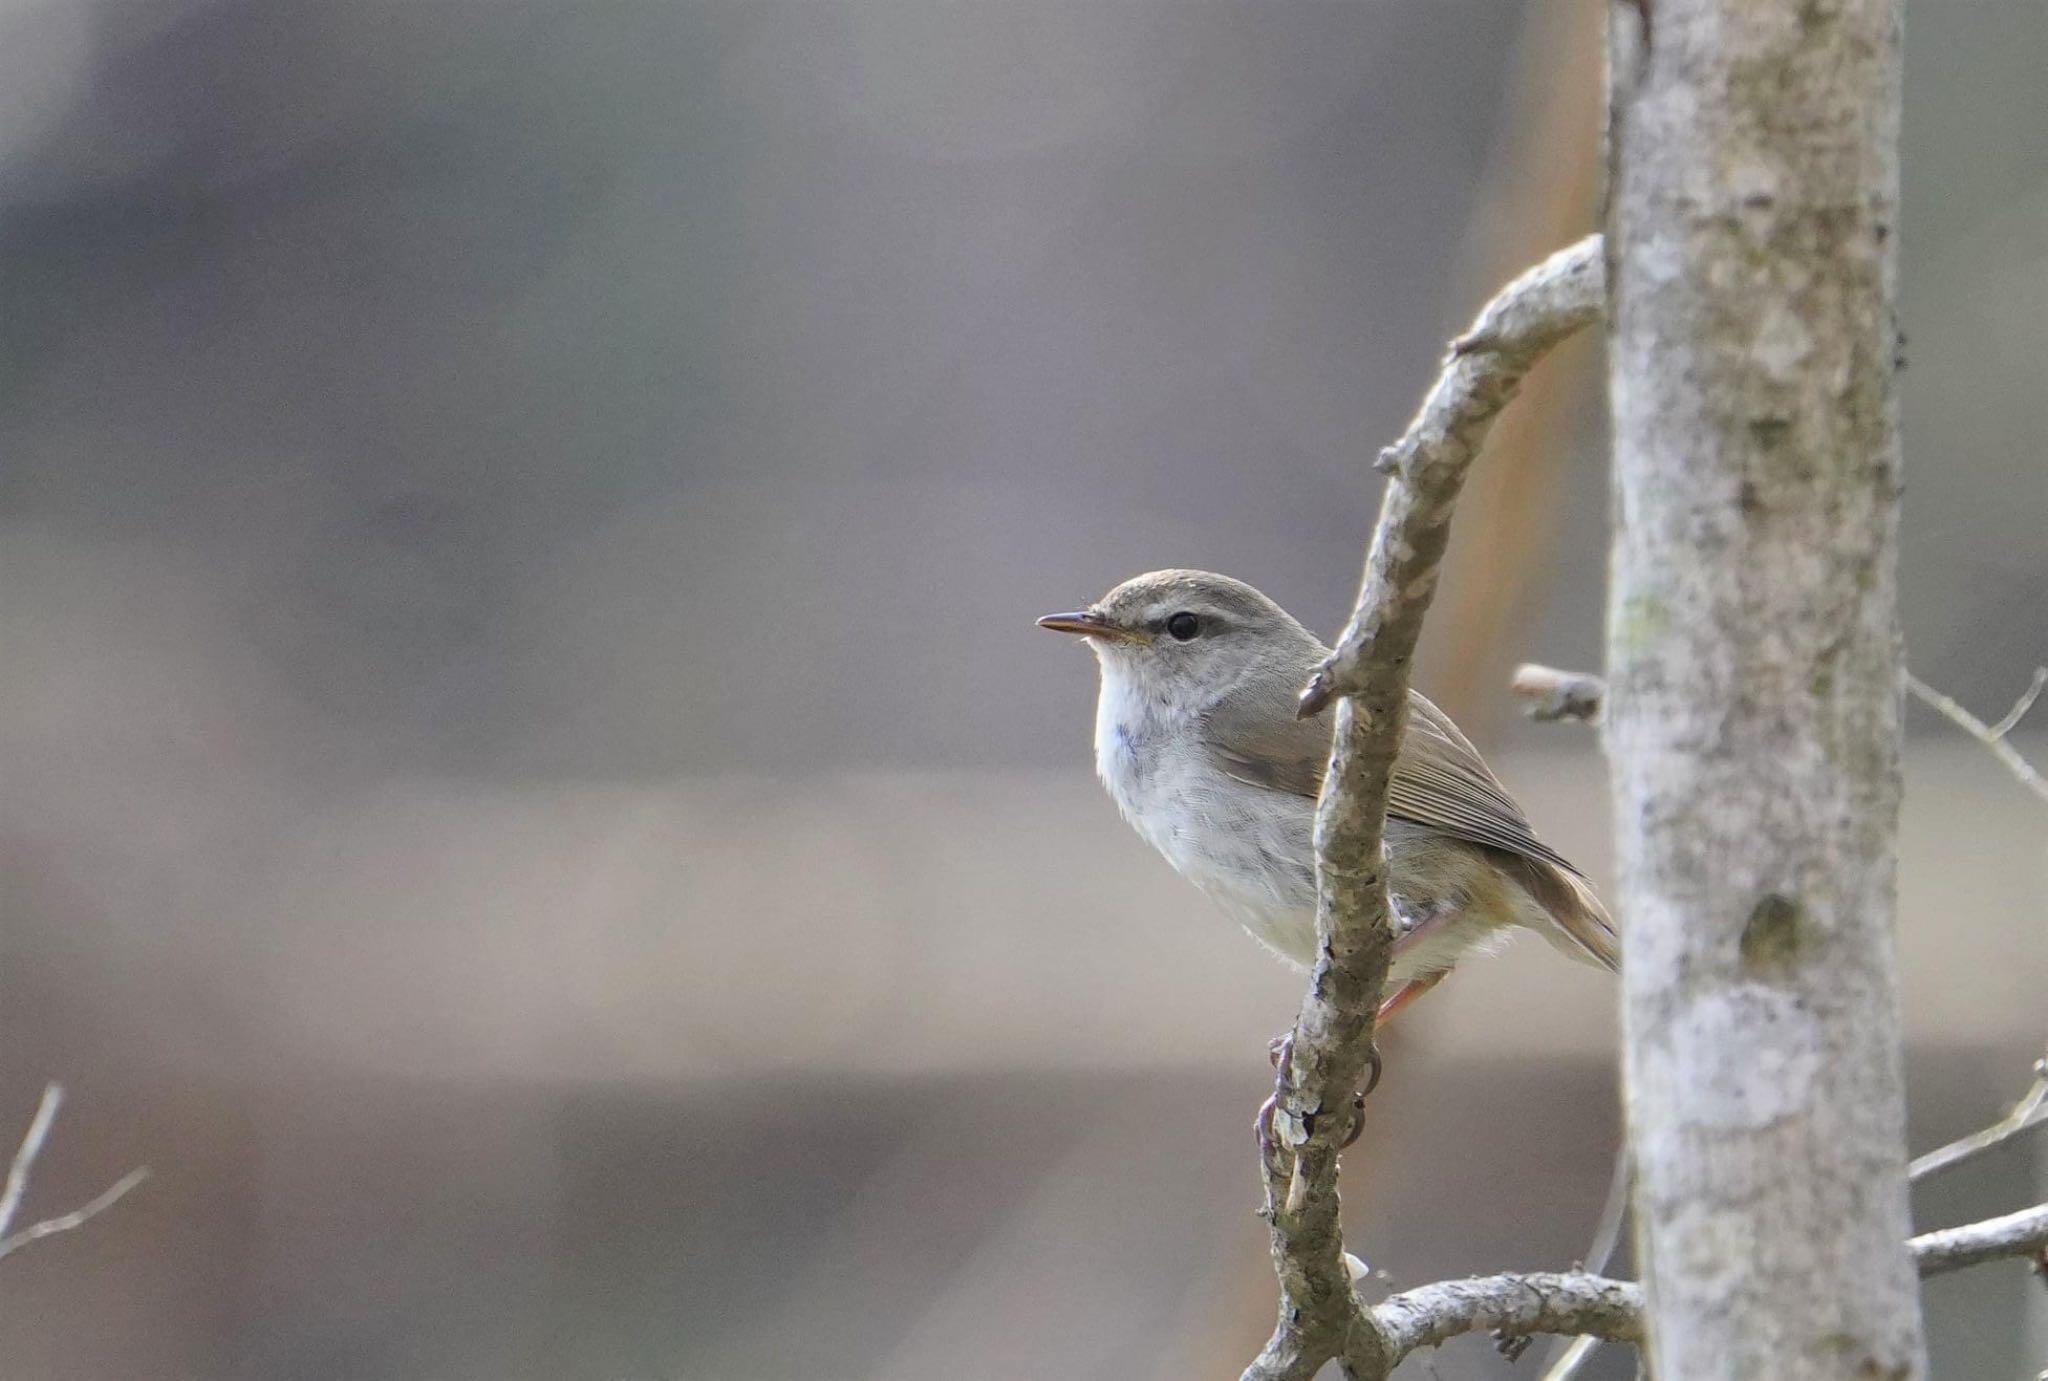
1754 675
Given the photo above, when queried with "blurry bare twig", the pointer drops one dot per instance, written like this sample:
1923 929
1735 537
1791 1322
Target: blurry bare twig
1326 1057
2030 1112
2032 1109
24 1162
1554 694
1951 1249
1606 1241
1574 1358
2024 1233
1992 736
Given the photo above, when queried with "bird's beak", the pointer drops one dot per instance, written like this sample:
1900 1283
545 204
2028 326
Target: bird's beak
1088 624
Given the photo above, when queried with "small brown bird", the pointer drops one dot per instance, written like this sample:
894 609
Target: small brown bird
1197 739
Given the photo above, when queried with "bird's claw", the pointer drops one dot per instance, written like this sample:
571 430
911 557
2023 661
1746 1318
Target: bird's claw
1278 1051
1373 1067
1262 1127
1357 1123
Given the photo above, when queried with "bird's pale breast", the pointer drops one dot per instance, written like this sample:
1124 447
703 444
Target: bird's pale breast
1250 850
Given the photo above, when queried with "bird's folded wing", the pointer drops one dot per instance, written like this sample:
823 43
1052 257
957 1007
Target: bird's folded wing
1254 736
1439 777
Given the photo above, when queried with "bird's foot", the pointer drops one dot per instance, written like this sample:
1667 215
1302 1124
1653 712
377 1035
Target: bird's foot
1262 1128
1278 1051
1511 1345
1373 1068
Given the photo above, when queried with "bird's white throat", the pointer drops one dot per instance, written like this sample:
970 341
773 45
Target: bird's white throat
1247 849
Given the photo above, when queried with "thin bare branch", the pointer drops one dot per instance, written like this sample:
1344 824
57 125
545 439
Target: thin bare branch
2030 1112
1367 676
1517 1306
1992 736
24 1162
25 1155
2016 1234
78 1217
2020 706
1554 694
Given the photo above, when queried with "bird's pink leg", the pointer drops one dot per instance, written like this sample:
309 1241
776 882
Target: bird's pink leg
1277 1051
1407 993
1412 934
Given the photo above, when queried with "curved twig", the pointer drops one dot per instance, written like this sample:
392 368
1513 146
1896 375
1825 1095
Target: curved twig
1515 1305
24 1161
1367 676
1992 736
2030 1112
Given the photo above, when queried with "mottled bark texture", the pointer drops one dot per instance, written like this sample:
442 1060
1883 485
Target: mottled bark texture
1754 674
1325 1059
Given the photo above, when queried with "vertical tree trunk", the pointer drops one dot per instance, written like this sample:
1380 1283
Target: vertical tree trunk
1755 679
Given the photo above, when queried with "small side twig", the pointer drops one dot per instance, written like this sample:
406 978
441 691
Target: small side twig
2030 1112
1551 694
17 1182
2016 1234
25 1155
1992 736
2020 707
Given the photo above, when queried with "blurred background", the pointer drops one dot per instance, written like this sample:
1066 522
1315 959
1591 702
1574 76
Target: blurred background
532 799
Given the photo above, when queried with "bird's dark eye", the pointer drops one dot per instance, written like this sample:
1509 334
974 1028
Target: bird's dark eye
1183 626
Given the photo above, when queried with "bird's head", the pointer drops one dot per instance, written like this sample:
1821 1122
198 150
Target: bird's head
1184 638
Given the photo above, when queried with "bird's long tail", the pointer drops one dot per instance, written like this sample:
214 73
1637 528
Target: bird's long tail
1584 929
